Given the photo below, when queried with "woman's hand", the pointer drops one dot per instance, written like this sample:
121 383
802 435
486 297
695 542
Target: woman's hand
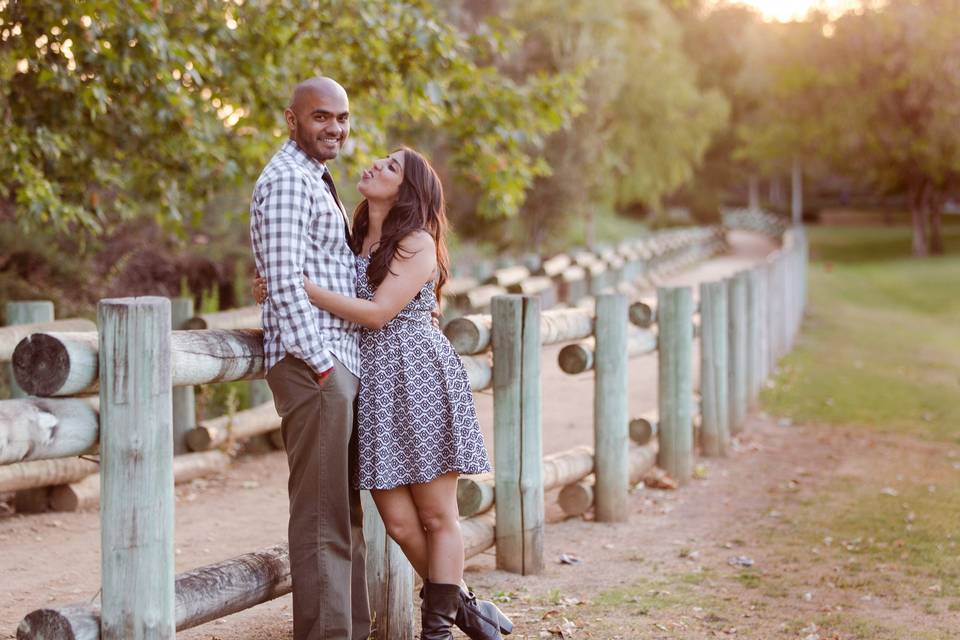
259 289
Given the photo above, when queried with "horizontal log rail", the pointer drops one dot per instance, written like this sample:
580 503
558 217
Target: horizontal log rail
210 434
66 364
579 356
45 473
471 334
578 497
11 336
475 494
241 318
85 493
47 428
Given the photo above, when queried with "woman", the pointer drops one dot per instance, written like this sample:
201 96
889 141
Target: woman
417 426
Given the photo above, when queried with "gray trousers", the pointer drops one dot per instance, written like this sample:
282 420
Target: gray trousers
327 551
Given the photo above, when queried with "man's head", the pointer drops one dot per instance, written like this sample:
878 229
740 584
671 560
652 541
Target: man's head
319 117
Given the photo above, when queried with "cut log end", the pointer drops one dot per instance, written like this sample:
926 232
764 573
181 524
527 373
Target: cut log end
194 324
574 358
643 430
41 364
467 335
66 623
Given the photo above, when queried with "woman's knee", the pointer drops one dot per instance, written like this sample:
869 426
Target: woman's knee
437 518
402 527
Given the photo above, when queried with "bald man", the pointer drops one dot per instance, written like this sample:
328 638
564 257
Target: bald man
298 227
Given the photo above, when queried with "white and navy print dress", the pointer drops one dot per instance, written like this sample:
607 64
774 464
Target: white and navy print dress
415 414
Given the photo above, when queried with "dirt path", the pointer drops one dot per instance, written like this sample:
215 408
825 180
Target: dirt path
54 558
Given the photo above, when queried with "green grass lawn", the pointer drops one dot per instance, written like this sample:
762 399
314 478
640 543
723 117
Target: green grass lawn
880 345
880 350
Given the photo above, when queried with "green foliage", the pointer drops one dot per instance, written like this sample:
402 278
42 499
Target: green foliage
877 320
645 124
875 94
115 109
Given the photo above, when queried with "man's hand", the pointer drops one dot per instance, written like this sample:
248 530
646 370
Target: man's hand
259 289
323 375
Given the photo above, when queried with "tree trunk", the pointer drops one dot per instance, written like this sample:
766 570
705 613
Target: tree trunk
935 214
753 193
919 221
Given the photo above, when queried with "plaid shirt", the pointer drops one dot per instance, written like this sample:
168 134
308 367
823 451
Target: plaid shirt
297 229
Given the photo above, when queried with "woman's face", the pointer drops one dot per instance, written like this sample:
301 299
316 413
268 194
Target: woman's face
382 180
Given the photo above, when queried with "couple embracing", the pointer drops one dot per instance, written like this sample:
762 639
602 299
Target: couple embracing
371 394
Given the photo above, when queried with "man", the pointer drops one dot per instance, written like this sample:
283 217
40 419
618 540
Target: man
298 227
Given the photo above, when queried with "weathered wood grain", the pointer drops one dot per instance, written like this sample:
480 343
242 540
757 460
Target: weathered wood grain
46 428
675 388
64 364
136 453
611 410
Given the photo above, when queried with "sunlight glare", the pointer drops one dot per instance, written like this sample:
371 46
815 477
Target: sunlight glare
786 10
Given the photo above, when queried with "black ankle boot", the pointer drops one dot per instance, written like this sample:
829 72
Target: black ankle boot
438 610
481 619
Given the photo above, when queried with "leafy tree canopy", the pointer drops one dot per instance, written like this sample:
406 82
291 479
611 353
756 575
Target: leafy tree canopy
119 108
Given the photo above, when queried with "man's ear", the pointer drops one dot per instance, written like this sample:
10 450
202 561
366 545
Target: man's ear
291 119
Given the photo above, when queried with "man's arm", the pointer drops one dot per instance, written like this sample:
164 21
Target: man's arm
284 206
403 281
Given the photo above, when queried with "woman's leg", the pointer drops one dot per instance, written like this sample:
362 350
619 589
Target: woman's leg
402 521
436 504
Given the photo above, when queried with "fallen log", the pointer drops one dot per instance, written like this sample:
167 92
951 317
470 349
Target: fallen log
65 364
44 428
45 473
202 595
214 591
186 467
242 318
576 498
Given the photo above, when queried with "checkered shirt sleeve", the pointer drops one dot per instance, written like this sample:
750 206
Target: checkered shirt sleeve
284 204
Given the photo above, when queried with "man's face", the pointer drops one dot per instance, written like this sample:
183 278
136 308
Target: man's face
319 123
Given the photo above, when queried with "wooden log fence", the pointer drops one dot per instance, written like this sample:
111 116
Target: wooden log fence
136 359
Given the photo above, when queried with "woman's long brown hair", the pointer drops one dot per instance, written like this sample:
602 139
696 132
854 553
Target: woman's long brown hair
419 206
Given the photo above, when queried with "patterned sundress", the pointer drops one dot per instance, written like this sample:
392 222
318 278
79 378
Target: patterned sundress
416 419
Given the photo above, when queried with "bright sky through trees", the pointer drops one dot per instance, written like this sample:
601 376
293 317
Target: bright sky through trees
785 10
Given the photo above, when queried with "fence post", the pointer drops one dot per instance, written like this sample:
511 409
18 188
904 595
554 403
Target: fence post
738 351
389 578
714 368
772 310
754 379
184 402
675 389
136 470
27 312
518 449
763 339
610 410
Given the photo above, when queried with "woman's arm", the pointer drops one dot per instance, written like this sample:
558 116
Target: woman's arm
406 277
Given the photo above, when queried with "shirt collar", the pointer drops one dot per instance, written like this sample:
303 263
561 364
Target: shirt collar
293 149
